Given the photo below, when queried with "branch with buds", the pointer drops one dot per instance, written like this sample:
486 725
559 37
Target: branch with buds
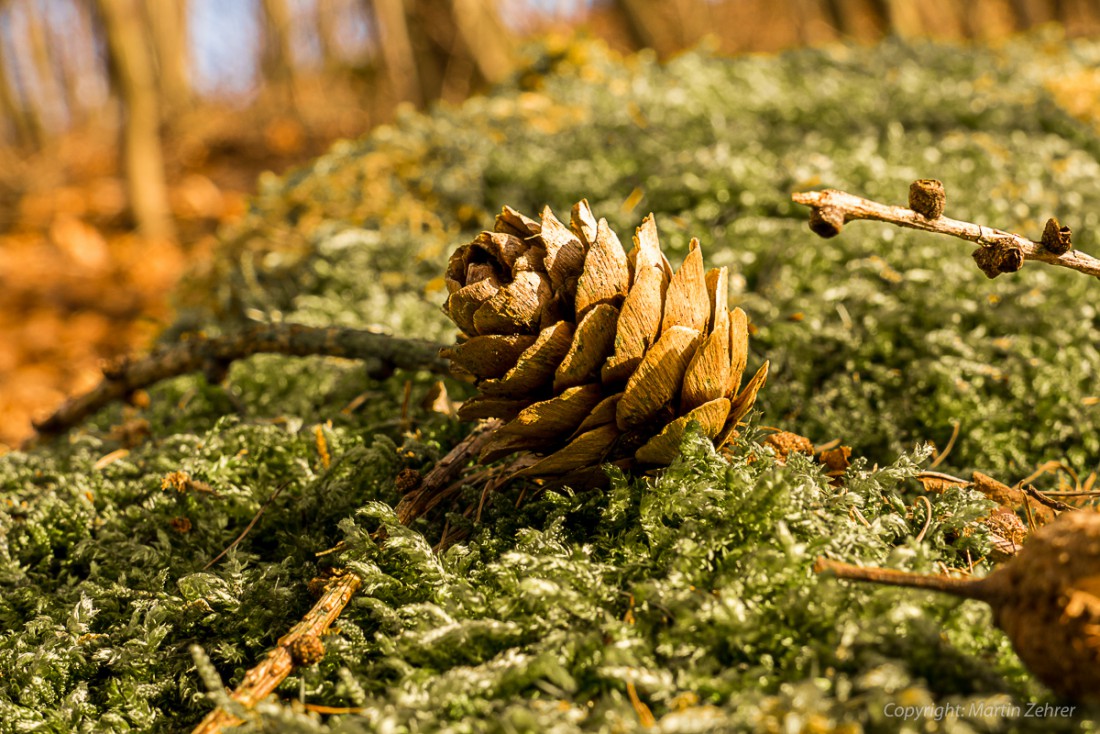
998 252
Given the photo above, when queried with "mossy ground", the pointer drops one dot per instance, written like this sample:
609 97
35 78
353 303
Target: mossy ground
690 591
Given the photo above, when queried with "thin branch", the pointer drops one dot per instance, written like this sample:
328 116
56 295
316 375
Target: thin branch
1073 493
439 483
1051 503
968 588
280 662
266 677
214 355
832 208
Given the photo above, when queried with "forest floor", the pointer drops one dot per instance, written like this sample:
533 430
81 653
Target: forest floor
686 600
78 286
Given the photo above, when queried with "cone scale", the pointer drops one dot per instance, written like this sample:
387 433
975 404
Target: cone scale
591 353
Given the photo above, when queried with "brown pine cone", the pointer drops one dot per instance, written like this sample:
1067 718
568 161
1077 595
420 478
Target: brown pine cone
590 353
1046 599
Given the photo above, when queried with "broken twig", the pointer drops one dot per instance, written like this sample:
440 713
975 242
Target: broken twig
280 662
214 354
1000 251
266 677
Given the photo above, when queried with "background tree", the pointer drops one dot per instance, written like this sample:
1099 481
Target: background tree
132 73
168 33
20 127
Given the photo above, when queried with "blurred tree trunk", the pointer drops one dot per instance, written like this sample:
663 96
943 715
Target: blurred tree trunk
646 28
442 63
667 26
27 132
77 59
1078 16
132 72
985 19
945 19
278 55
168 30
441 48
46 84
903 17
392 34
811 22
327 14
485 37
1033 12
858 19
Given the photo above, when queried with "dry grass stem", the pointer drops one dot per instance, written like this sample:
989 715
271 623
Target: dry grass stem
942 455
247 529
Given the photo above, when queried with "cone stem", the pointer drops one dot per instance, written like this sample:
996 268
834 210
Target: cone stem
961 587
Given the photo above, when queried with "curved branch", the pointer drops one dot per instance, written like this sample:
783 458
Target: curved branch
833 208
214 354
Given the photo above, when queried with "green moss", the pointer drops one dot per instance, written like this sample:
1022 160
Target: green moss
691 588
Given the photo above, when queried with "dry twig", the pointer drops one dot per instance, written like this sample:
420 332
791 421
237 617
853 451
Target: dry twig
214 354
1073 493
959 586
439 483
1000 251
280 662
247 529
266 677
1042 498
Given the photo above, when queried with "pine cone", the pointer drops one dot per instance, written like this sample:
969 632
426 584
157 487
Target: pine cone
1046 599
591 354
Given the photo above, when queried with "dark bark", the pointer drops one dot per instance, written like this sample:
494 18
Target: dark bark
213 355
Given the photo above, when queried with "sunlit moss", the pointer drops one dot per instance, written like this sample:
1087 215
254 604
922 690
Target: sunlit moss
690 589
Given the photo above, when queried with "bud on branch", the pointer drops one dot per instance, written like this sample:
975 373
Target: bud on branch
1000 251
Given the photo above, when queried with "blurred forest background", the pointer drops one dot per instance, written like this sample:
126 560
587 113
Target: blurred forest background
131 129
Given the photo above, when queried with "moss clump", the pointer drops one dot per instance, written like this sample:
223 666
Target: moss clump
690 592
895 336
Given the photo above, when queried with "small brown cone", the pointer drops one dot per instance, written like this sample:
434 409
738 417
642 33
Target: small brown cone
1046 599
592 354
